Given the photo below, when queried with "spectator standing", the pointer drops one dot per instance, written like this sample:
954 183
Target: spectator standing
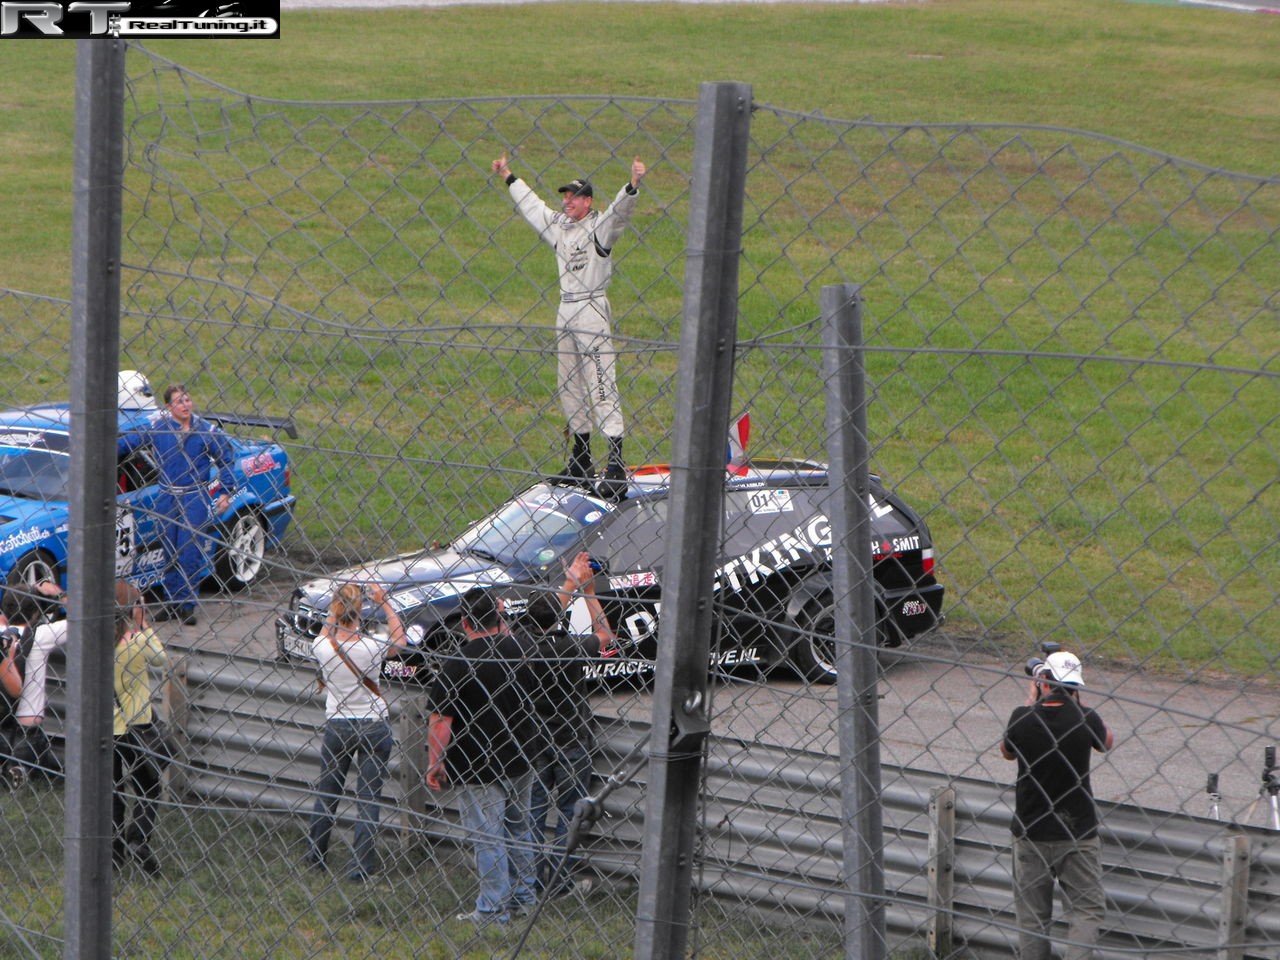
357 722
41 638
1055 825
142 748
583 240
562 771
12 772
481 735
187 448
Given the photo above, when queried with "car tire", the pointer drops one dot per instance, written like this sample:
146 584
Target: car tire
30 569
242 555
813 654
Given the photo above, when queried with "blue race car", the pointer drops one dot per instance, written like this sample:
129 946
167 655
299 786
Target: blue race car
35 461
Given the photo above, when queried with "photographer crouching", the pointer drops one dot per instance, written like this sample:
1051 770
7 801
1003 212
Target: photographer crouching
1055 824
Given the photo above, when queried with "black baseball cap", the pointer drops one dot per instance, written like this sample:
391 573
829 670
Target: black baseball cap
578 188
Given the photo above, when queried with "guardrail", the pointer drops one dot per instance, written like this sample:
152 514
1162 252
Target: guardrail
771 832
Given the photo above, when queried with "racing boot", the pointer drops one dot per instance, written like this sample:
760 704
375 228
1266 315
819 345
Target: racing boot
613 485
578 470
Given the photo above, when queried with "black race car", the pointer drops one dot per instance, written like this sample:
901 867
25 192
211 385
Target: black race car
772 586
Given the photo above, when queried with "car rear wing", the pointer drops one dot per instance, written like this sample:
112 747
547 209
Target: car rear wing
274 423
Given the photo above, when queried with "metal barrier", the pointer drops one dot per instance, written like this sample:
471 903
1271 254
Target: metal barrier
771 833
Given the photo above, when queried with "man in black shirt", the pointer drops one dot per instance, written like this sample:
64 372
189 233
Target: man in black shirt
482 735
1055 824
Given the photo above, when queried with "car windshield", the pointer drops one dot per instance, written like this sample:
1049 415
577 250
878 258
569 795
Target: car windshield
35 474
534 530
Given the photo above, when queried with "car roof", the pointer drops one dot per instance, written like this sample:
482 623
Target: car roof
56 417
655 477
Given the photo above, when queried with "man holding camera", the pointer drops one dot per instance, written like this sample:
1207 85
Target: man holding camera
1055 824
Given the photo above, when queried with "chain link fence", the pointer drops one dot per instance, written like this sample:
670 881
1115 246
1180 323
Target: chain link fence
1071 348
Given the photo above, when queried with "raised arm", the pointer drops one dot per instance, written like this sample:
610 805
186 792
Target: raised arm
395 626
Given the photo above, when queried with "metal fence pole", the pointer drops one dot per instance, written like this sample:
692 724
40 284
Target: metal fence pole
707 337
95 346
855 621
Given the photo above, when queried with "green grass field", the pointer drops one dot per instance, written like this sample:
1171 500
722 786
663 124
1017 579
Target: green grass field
1197 83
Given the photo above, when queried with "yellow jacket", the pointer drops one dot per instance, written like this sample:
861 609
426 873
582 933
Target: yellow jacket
134 655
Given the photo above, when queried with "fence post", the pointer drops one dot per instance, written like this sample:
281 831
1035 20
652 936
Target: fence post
708 333
857 677
412 739
177 703
95 352
942 860
1235 897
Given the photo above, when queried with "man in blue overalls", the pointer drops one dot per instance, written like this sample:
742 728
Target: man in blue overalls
185 448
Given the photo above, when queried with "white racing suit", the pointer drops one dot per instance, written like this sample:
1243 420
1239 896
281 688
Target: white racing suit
584 331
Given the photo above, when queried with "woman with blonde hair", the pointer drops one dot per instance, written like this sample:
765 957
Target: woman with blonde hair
142 747
357 722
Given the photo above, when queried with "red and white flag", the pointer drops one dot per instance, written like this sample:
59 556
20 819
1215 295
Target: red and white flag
739 432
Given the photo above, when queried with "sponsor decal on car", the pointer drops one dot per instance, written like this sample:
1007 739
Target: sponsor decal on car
22 539
628 581
770 501
810 541
22 438
636 668
258 463
398 669
914 608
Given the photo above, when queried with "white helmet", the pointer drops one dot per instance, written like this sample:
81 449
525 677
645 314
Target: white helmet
133 392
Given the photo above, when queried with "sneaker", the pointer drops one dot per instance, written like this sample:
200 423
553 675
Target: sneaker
483 919
162 613
187 615
15 775
578 887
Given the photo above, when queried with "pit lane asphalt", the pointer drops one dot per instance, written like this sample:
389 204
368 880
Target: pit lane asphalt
943 706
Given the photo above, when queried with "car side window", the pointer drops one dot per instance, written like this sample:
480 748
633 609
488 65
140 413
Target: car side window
135 471
632 540
753 517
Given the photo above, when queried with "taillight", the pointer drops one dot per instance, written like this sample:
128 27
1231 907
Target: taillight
926 560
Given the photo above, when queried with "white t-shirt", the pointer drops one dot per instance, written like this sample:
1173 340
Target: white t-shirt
346 696
35 698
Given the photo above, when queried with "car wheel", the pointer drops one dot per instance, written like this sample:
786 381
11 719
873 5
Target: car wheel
20 585
814 652
242 555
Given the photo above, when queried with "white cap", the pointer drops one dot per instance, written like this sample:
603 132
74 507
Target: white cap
1064 667
133 391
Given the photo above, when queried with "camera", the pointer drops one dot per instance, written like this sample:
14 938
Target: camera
1035 664
8 637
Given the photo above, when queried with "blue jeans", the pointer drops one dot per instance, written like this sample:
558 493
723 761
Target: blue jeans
371 740
496 817
565 773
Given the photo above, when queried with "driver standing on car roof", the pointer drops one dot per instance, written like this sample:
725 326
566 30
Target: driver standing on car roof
186 448
583 240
